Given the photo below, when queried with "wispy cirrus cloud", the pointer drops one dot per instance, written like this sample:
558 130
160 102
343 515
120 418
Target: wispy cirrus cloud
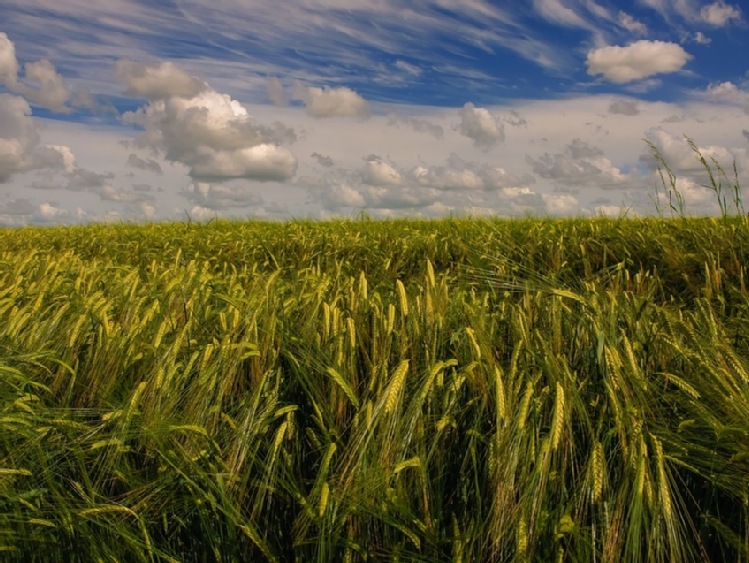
718 13
318 41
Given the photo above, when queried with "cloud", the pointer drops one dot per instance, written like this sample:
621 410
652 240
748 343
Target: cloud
419 125
723 90
557 12
340 195
221 197
560 204
681 158
515 119
55 157
331 102
157 81
148 210
23 211
277 208
481 126
8 61
631 24
635 61
729 92
146 164
581 164
47 182
20 150
624 107
200 213
264 162
452 177
48 212
380 173
81 179
207 131
746 134
41 84
408 68
17 207
384 187
110 193
719 13
684 9
275 91
701 38
609 211
696 197
49 89
684 162
397 197
322 160
460 175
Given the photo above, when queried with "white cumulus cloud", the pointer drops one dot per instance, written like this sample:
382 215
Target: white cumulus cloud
44 87
461 175
339 195
8 61
157 81
20 150
560 204
719 13
683 161
41 84
730 93
380 173
207 131
723 90
581 164
50 212
331 102
56 157
636 61
481 125
263 162
200 213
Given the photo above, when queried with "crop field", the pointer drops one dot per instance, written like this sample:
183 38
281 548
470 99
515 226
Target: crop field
461 390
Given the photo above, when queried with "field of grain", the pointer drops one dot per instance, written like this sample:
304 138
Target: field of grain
454 390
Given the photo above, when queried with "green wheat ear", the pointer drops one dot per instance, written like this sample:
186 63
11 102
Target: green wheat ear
396 385
478 390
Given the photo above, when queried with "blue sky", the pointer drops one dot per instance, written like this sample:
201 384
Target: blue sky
134 110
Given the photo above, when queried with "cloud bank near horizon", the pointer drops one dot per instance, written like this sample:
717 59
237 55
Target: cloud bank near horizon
222 132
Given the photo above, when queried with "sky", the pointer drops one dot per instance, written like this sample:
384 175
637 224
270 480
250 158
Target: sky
135 110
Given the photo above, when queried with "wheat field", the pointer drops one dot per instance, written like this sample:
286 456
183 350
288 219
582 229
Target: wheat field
455 390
